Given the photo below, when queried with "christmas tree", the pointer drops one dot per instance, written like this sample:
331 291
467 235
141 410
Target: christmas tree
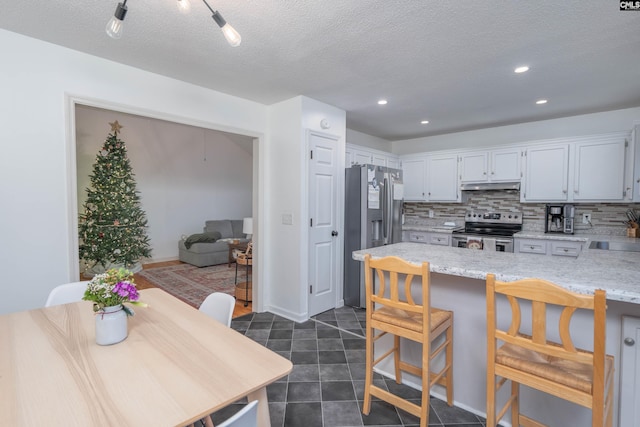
113 226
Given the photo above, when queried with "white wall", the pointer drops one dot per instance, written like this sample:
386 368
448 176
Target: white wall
185 174
287 253
586 124
37 197
365 140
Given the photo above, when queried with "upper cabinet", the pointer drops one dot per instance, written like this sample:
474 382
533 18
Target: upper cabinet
599 169
594 168
442 179
490 166
546 176
414 178
357 155
431 178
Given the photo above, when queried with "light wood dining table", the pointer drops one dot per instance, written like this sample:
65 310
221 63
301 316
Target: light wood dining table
176 366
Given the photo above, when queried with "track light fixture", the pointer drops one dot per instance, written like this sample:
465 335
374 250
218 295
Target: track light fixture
232 36
114 26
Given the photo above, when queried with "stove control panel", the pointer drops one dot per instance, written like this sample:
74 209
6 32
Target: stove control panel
494 217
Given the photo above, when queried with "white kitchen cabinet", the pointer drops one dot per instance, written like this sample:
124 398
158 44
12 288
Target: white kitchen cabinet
474 166
442 178
393 162
564 248
505 165
553 247
490 166
530 246
599 169
378 159
414 179
546 175
358 155
361 157
441 239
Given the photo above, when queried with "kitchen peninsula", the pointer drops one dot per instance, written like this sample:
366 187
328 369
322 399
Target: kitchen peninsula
458 283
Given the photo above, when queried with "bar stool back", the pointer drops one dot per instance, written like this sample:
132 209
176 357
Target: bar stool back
580 376
392 309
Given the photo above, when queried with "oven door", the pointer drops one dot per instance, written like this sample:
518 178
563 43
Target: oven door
469 242
498 244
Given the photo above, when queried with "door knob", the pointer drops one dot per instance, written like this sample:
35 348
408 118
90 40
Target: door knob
334 233
629 341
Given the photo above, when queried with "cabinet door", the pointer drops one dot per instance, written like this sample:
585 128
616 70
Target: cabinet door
599 170
442 178
361 157
413 177
546 174
473 167
393 163
505 165
379 160
348 158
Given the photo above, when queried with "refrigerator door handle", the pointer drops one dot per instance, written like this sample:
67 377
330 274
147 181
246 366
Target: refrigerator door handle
387 207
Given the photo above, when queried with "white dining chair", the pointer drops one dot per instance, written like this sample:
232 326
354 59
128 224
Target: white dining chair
219 306
246 417
64 294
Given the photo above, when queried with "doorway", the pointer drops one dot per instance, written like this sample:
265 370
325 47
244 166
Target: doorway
171 200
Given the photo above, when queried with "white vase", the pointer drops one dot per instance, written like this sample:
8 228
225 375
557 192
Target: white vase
111 325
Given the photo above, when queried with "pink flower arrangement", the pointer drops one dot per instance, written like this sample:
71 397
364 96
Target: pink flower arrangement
113 288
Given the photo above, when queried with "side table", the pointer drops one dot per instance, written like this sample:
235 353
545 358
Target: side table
241 246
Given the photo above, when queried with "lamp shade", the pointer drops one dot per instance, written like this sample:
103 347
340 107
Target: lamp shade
247 225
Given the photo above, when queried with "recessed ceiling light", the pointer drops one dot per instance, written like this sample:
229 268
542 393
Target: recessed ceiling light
541 101
522 69
424 122
382 102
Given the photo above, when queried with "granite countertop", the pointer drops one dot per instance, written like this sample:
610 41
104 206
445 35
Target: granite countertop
618 273
431 228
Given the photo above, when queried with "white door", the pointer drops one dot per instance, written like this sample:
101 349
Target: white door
630 365
323 227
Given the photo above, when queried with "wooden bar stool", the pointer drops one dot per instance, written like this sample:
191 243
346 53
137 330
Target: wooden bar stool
559 369
392 310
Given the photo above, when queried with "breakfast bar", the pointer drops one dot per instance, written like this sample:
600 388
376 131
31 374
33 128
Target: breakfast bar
458 283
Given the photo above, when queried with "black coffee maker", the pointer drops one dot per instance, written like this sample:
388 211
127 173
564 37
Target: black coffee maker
559 219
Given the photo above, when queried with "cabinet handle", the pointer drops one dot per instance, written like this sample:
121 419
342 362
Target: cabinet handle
484 173
532 247
566 250
493 172
629 341
564 191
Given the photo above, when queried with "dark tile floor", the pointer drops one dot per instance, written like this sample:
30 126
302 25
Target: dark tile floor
325 387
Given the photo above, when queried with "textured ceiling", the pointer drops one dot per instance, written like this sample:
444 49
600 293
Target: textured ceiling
450 62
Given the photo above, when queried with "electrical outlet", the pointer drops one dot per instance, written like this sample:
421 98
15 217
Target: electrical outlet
430 213
586 218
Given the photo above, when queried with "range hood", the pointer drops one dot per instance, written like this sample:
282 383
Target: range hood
486 186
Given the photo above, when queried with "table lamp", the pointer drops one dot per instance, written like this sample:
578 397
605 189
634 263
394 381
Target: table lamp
247 227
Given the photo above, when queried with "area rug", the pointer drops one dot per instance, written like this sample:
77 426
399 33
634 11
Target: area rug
192 284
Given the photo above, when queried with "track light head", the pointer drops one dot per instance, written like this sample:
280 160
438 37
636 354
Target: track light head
114 26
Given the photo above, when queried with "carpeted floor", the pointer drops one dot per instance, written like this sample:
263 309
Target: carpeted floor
192 284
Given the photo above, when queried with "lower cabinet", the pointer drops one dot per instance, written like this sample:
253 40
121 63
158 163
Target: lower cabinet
442 239
548 247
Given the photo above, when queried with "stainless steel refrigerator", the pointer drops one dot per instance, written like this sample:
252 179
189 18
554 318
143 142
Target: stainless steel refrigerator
373 217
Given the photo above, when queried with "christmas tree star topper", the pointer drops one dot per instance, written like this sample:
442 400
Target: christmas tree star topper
115 127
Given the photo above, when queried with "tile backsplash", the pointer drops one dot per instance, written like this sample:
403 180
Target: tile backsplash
606 218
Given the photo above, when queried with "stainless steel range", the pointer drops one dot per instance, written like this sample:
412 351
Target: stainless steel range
491 231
